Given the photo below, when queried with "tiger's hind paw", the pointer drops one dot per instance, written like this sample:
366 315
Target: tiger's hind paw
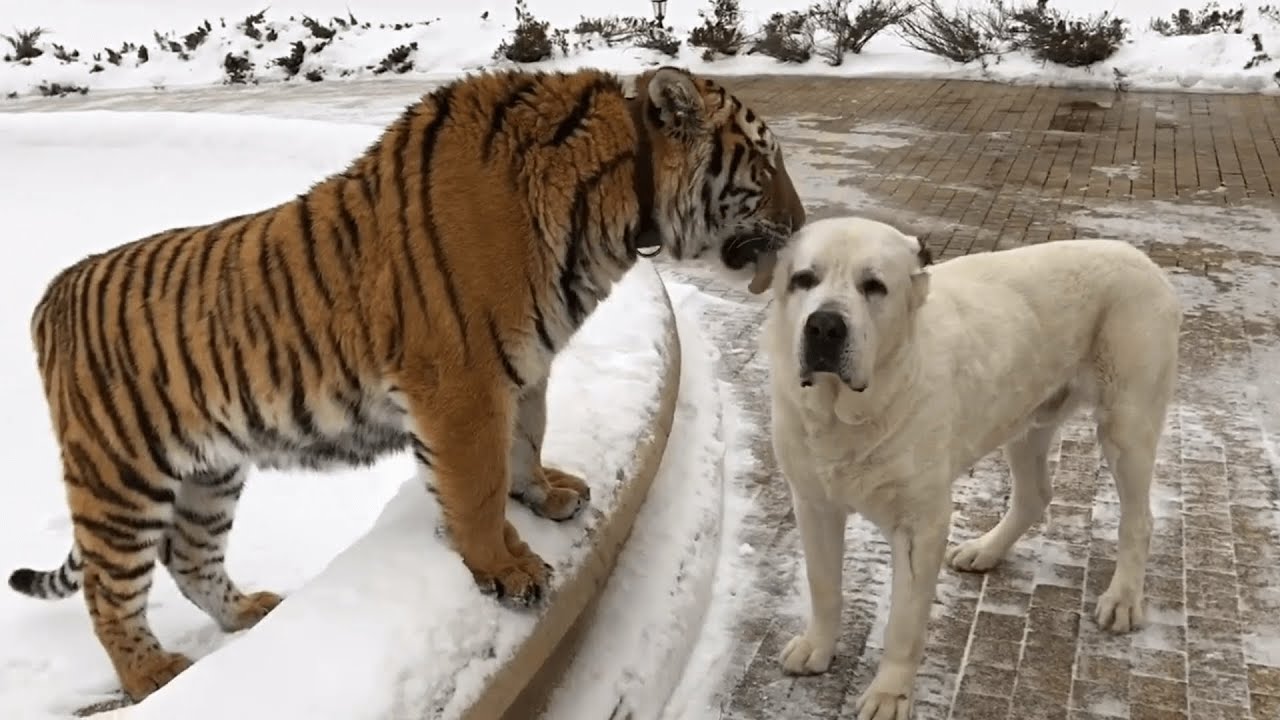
152 672
565 496
251 609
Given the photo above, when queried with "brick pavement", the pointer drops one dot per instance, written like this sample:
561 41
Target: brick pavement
1193 179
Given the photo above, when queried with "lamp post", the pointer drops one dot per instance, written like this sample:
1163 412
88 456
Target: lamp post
660 10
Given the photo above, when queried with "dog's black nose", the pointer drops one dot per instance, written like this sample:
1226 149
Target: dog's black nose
826 328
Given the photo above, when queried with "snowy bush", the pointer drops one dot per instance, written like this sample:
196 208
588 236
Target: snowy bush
849 35
721 31
238 69
612 30
1057 38
1209 19
23 43
189 43
399 60
531 40
640 32
48 89
962 35
292 63
787 37
791 36
1260 55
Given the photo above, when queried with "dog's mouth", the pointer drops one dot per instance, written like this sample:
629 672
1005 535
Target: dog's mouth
807 379
758 245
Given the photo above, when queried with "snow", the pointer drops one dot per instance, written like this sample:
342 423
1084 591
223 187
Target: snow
735 584
452 38
381 618
651 612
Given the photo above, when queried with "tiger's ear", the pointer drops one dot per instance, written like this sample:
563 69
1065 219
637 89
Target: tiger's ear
677 101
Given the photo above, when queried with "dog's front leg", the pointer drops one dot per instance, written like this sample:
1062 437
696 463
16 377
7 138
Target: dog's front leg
821 526
917 551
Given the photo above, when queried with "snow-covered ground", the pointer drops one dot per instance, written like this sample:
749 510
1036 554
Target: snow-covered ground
442 40
650 615
372 587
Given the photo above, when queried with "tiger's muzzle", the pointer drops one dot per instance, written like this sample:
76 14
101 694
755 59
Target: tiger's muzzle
782 214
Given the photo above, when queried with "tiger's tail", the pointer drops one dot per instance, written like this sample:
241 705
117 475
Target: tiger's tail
51 584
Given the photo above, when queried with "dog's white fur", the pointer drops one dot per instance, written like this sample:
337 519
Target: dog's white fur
958 359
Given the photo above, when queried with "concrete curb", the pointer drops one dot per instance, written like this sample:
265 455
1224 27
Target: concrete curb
522 687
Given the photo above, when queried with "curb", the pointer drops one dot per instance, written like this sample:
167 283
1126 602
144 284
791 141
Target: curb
521 688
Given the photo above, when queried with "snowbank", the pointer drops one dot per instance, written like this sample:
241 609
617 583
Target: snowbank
190 45
651 613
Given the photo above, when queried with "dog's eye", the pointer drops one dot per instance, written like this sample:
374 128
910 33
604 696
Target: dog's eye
803 280
872 286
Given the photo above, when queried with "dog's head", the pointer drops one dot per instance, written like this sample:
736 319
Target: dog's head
847 290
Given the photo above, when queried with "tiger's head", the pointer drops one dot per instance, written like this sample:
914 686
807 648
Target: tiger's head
720 187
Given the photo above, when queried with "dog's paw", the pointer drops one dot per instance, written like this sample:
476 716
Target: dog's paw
887 698
1120 609
975 555
884 705
803 656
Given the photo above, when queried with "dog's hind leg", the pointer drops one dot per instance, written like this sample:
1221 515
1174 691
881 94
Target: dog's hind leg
1129 438
1136 385
1028 458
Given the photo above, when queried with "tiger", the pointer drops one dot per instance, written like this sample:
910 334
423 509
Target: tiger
412 302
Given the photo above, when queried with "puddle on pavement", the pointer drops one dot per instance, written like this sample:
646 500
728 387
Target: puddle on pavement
1251 231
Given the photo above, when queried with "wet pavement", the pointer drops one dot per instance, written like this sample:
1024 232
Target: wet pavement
1193 179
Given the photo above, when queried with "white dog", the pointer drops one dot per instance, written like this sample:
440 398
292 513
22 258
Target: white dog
890 380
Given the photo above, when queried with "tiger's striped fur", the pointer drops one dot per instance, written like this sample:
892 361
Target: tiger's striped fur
413 301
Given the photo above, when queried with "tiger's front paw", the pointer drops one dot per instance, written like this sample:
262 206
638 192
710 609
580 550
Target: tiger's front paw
521 582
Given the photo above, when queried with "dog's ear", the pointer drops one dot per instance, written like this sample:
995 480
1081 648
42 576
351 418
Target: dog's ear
923 255
920 276
676 99
919 288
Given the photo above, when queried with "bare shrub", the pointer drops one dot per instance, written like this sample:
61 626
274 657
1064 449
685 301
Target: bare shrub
959 35
1058 38
787 37
532 39
721 31
850 35
1209 19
